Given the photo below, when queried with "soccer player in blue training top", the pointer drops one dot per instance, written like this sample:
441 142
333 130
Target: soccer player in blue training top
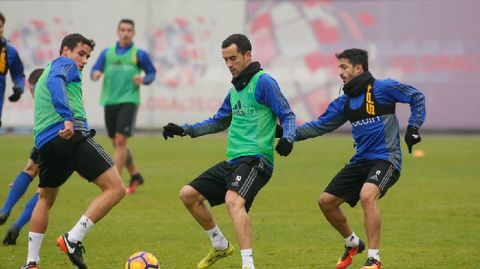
369 105
63 138
9 60
250 109
21 183
121 65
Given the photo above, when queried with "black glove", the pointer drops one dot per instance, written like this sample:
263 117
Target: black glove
92 133
284 147
278 131
412 137
171 129
17 92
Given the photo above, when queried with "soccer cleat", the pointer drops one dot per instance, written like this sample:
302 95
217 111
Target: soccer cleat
371 263
347 256
135 181
214 255
73 250
30 265
11 236
3 217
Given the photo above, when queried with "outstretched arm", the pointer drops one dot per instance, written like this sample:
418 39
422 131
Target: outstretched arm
325 123
217 123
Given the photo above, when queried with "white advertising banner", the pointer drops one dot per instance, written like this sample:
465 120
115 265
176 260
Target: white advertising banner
295 41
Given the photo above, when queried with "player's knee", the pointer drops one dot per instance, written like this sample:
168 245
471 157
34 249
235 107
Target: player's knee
325 201
32 169
45 201
368 198
120 141
119 190
188 195
234 203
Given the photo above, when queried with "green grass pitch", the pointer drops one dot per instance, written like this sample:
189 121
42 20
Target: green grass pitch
430 218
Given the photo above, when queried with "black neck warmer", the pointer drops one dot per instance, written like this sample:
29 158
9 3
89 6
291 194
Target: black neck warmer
358 84
241 81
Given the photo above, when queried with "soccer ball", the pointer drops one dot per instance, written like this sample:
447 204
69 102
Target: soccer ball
142 260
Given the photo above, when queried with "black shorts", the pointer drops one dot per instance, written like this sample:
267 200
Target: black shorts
246 178
34 155
120 118
349 181
59 158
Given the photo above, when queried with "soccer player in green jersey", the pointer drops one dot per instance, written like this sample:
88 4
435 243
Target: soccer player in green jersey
250 109
122 65
65 143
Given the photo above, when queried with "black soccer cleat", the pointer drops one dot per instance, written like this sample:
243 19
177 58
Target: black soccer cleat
135 181
371 263
11 236
73 250
3 217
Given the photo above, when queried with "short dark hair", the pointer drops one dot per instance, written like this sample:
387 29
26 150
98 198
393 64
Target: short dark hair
242 42
2 18
35 75
71 41
129 21
355 56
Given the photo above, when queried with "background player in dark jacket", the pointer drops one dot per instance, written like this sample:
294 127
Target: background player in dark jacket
21 183
9 60
369 105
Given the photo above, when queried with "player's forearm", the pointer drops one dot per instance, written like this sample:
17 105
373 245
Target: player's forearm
209 126
149 78
417 109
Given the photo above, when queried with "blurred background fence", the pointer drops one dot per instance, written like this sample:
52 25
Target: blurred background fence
429 44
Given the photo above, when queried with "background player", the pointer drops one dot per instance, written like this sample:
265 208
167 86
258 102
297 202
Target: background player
9 60
121 66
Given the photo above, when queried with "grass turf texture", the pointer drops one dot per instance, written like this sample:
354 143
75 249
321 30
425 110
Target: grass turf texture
430 218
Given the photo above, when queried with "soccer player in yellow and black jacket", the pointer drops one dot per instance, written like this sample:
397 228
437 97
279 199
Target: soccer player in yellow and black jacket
369 105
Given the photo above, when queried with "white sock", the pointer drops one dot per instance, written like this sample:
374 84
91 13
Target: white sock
352 240
216 237
247 258
374 253
34 244
78 232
